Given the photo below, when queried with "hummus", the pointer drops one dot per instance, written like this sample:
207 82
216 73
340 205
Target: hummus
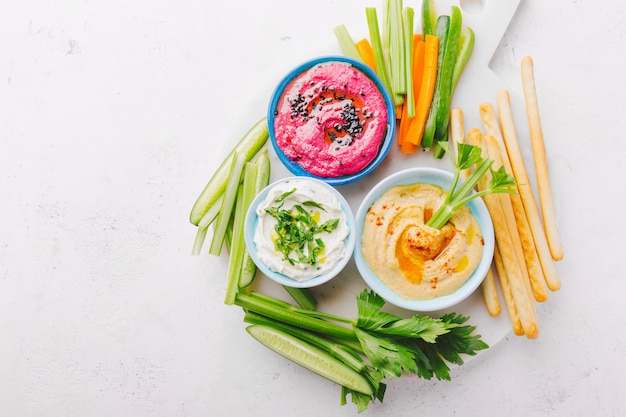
293 197
331 120
412 259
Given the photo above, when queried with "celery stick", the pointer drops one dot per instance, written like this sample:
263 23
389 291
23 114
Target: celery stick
408 15
302 297
290 314
346 43
377 48
204 224
396 48
227 204
198 241
245 195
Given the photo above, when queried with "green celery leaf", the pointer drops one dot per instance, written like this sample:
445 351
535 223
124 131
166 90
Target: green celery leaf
501 180
372 319
388 355
467 155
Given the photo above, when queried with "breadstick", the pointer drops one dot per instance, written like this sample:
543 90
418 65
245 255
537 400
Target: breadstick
526 248
507 293
526 194
507 265
502 217
457 133
541 162
490 294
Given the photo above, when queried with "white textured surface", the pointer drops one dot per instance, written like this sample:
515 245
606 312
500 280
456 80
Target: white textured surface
112 117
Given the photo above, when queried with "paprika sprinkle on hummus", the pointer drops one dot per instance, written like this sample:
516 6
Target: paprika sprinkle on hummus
412 259
331 120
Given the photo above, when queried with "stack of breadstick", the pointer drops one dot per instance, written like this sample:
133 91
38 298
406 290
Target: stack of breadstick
526 246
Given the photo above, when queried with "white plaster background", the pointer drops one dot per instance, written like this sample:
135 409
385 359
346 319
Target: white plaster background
112 116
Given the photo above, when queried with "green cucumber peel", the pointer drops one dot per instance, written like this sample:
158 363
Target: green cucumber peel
449 61
248 145
311 357
443 23
466 47
429 18
339 351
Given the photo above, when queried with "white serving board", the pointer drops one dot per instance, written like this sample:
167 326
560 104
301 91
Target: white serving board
478 84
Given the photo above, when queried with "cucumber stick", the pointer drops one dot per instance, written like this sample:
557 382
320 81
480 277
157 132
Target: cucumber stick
449 61
429 18
311 357
248 145
449 32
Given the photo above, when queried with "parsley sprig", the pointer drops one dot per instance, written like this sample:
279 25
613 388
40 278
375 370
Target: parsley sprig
298 232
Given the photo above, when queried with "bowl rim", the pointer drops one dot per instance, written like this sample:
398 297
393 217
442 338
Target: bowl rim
251 221
478 208
385 146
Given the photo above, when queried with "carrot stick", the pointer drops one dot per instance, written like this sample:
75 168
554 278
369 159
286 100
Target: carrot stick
407 147
419 46
399 110
365 50
427 89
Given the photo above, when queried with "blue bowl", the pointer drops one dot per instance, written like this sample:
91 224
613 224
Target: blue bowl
293 166
250 226
478 209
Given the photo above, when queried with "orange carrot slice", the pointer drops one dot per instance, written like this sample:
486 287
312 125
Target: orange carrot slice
365 50
427 89
417 71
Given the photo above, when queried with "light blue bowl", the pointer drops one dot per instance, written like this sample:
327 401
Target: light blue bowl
251 224
293 166
443 179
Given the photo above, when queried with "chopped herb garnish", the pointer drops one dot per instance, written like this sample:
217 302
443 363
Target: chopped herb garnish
297 230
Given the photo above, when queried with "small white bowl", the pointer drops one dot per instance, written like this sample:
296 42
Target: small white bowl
443 179
250 226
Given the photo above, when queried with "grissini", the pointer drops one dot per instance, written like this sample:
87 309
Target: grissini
526 194
539 155
514 208
520 286
509 302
